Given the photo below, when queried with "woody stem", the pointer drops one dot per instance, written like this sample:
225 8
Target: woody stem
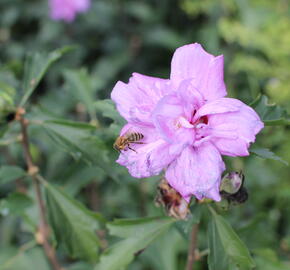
32 171
192 247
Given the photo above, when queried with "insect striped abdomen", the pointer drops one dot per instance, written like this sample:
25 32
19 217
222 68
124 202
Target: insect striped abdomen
134 137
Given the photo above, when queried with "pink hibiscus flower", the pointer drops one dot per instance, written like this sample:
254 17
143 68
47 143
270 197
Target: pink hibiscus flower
67 9
187 123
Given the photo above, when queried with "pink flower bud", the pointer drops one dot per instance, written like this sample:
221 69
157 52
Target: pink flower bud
67 9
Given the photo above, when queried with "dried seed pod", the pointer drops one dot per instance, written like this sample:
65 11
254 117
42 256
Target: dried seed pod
173 203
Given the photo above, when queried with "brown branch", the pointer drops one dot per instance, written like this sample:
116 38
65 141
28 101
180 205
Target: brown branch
93 195
192 248
32 171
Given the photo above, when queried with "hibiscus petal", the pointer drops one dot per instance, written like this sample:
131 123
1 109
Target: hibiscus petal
136 100
169 122
197 172
221 105
149 159
193 62
232 132
164 116
191 98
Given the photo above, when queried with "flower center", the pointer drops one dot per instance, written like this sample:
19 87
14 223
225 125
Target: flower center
201 128
203 120
181 121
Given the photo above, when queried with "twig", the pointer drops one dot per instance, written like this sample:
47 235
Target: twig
32 171
192 247
94 198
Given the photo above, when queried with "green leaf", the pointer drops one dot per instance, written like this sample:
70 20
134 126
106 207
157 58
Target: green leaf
164 37
267 154
15 204
35 67
169 246
73 124
108 67
7 108
107 109
10 173
73 225
79 140
3 128
30 259
7 95
72 139
80 84
226 248
73 184
267 260
271 114
79 266
185 226
138 234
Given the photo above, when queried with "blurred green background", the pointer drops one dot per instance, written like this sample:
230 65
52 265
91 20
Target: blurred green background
113 39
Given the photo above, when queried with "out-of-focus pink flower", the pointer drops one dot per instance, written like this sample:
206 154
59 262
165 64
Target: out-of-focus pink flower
187 123
67 9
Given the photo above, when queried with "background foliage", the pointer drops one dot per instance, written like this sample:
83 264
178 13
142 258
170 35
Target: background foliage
73 126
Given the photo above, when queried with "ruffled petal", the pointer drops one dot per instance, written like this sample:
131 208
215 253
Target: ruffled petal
150 157
191 98
197 172
206 71
168 118
164 116
136 100
232 132
221 105
148 160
